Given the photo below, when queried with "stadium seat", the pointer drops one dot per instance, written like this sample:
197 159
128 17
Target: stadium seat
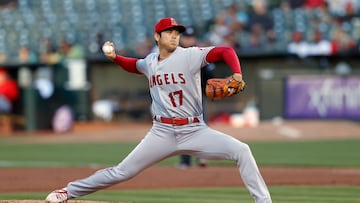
128 22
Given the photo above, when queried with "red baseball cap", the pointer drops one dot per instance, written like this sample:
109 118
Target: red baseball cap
167 23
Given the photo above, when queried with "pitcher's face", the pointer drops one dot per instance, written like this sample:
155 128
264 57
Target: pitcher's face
168 39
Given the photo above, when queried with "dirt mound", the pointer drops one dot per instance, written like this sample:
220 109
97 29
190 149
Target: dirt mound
42 201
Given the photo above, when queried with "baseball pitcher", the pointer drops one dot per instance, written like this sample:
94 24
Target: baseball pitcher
178 126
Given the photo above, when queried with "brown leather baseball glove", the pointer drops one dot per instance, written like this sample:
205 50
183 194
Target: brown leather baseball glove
219 88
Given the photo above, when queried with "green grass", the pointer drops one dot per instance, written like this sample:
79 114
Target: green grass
334 153
73 154
280 194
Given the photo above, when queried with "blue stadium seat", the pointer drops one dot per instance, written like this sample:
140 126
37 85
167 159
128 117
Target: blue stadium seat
128 22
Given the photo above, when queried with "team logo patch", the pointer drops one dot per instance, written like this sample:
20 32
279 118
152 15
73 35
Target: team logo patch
173 21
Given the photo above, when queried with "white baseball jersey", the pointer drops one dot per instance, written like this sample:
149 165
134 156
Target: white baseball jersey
175 88
175 82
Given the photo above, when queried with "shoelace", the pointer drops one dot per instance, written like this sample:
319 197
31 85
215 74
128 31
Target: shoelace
61 194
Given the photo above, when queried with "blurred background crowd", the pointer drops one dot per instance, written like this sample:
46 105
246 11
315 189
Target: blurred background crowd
44 31
52 49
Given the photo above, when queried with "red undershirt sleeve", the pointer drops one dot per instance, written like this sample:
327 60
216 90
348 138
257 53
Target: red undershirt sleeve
227 54
127 63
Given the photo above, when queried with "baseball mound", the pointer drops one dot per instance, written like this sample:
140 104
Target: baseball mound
42 201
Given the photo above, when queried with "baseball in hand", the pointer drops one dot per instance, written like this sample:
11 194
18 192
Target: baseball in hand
107 49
